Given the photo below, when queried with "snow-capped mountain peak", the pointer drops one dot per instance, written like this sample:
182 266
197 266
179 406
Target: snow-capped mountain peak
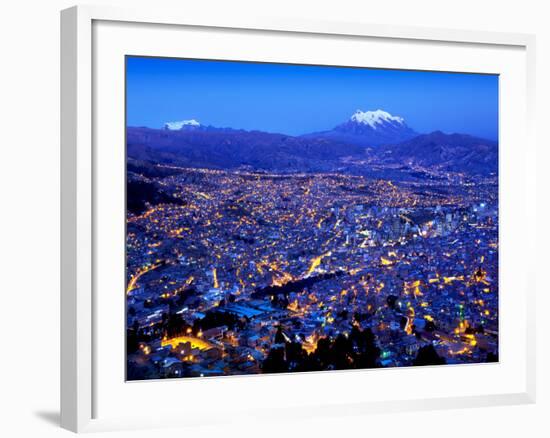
375 118
370 128
178 125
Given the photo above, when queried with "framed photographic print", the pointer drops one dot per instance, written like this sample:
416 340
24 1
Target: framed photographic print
289 247
252 209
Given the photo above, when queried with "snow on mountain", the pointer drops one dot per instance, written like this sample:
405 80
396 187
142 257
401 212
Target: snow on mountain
369 128
375 118
181 124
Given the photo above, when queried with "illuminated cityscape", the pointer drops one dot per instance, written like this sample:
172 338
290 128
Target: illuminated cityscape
323 253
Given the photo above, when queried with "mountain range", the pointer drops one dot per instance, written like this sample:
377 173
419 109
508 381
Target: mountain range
230 149
452 152
377 135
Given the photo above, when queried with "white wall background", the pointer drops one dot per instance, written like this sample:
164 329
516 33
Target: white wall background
29 213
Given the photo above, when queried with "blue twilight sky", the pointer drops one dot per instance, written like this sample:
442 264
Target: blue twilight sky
298 99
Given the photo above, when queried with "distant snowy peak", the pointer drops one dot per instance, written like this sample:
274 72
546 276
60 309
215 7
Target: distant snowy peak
181 124
375 118
369 128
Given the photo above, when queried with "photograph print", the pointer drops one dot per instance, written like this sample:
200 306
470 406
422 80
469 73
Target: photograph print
285 218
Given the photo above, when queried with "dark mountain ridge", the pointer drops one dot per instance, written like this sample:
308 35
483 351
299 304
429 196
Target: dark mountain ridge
452 152
227 149
190 144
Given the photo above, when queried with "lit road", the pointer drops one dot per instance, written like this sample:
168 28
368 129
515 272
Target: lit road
195 342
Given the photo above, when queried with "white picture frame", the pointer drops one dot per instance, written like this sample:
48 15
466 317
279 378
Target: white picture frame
79 197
